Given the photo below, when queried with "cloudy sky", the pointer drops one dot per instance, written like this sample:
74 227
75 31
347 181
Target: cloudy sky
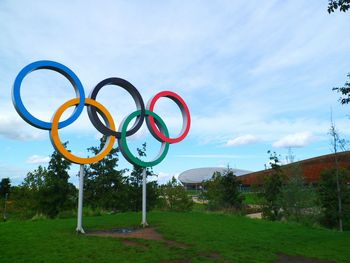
256 75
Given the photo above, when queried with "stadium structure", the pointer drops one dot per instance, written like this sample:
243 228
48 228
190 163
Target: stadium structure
193 178
309 169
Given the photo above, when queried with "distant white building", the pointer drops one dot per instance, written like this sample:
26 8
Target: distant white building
193 178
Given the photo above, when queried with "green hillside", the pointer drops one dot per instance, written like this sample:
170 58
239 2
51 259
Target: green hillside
204 237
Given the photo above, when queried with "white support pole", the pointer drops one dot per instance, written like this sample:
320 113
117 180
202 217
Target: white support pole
80 201
144 178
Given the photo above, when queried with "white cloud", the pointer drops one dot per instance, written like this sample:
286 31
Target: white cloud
37 159
232 83
164 177
15 129
300 139
242 140
194 57
15 173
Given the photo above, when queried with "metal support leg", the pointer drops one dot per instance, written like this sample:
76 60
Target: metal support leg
80 201
144 178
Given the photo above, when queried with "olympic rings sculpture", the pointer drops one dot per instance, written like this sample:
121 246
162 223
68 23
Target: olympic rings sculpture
154 123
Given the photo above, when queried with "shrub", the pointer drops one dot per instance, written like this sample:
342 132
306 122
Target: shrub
272 209
222 192
329 198
299 201
173 197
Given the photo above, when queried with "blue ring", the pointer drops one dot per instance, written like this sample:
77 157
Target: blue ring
55 66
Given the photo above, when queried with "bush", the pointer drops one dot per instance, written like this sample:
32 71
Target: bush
87 211
299 201
329 198
272 209
213 192
222 192
173 197
22 203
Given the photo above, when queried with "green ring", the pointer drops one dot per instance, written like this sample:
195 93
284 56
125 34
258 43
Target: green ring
124 146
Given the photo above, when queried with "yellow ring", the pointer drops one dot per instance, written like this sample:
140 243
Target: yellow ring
56 139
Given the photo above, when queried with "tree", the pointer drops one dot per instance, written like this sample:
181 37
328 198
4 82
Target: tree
232 198
222 191
104 185
5 187
25 198
25 202
333 5
213 191
298 200
345 92
329 197
57 194
35 180
272 190
174 197
135 185
31 192
337 144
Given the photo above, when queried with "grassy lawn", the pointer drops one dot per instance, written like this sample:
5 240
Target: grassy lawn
233 238
199 207
252 198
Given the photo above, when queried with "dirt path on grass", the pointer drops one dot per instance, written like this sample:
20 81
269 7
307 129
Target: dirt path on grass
151 234
144 233
148 233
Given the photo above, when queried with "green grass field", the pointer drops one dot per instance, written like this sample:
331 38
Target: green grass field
230 238
252 198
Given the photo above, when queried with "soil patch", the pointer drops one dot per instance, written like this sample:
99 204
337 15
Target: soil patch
144 233
299 259
148 233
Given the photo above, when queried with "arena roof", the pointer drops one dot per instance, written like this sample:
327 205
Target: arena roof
198 175
310 169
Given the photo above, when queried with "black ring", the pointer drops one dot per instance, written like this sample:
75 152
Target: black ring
95 120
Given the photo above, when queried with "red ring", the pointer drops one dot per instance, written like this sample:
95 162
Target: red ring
185 115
